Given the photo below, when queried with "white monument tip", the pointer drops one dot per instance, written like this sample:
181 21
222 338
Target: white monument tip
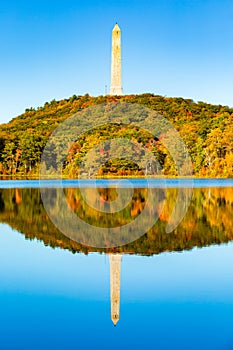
116 27
116 83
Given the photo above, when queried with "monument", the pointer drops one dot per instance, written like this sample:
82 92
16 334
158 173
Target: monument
116 83
115 280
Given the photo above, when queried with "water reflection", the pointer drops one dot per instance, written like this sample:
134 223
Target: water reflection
207 221
185 299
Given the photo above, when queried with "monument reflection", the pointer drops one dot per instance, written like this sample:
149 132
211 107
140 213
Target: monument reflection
115 286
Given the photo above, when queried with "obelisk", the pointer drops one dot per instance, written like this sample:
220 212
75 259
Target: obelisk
115 282
116 83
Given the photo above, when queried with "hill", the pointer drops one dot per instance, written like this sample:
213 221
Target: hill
206 130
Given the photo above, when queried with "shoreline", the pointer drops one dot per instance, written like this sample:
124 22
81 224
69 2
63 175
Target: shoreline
110 177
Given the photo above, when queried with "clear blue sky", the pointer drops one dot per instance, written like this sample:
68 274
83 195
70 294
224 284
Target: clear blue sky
54 49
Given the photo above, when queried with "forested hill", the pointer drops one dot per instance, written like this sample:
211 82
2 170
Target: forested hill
206 129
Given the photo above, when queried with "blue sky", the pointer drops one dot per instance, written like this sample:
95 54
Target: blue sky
54 49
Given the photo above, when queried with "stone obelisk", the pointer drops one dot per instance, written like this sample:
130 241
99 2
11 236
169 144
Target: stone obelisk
115 282
116 83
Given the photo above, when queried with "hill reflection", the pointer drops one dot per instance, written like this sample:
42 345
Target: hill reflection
208 219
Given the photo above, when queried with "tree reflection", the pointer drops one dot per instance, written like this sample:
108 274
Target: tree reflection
208 219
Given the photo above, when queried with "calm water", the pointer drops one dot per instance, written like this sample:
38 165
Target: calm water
176 289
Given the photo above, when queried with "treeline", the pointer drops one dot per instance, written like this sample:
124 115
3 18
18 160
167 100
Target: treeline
206 130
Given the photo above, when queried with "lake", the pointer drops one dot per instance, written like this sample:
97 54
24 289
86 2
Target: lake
156 290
